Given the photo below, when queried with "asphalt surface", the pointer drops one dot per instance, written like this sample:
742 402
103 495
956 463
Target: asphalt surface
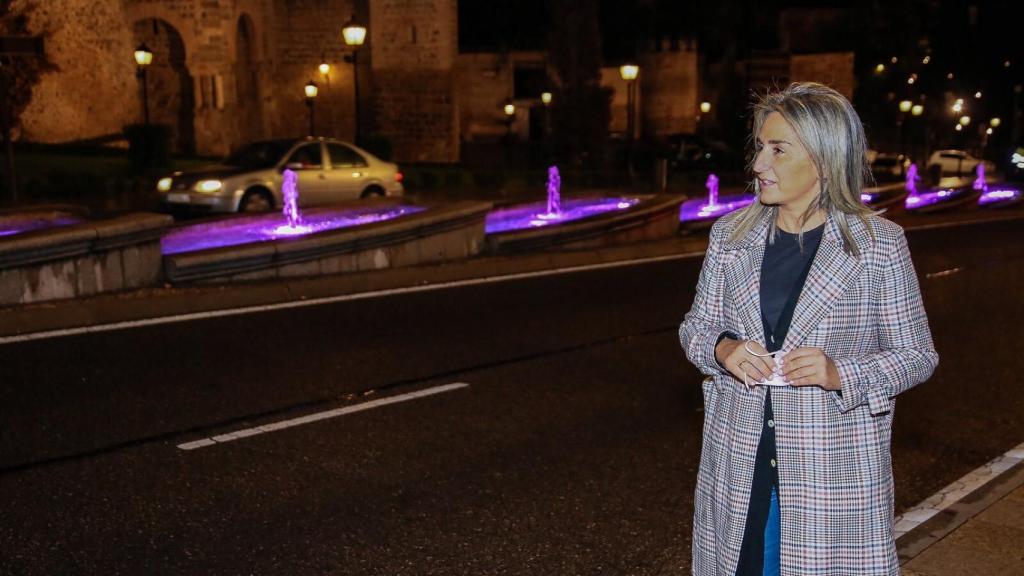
572 451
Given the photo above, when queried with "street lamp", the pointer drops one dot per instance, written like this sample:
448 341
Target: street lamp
545 98
311 90
629 72
995 122
965 120
906 105
705 107
917 110
143 58
354 34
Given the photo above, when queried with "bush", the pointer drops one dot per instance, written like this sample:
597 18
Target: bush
149 147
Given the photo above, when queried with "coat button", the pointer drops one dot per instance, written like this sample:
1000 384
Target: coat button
771 423
773 462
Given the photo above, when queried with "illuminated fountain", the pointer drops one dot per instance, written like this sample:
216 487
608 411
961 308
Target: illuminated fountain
290 192
555 211
698 210
933 199
997 195
289 224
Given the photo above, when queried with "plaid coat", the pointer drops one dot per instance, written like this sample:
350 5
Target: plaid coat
835 474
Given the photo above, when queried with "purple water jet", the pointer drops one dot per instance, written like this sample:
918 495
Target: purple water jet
712 185
912 179
554 191
979 181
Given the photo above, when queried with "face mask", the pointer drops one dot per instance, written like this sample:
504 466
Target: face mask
776 379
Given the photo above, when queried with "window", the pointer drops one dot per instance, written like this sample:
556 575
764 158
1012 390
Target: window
308 155
344 157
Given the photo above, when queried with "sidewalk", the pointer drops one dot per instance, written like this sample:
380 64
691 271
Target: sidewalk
983 535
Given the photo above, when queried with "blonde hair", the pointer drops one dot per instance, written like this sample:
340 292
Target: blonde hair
833 135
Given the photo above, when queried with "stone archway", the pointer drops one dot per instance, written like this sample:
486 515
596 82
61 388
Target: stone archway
247 88
171 96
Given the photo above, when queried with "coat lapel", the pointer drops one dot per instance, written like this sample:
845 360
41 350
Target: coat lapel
830 276
743 278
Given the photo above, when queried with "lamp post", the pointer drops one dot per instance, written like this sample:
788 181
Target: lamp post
510 116
311 92
629 72
143 58
354 34
905 106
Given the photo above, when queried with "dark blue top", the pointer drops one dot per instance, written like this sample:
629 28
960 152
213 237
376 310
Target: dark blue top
784 270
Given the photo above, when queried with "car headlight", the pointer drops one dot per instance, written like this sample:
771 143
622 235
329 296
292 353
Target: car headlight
209 186
163 184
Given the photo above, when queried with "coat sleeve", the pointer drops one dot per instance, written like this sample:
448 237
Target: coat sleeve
704 322
907 356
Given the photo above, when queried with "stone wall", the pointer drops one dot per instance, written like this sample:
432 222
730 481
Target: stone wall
669 84
95 90
414 45
834 69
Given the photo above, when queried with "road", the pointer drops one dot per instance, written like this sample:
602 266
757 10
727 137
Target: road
573 449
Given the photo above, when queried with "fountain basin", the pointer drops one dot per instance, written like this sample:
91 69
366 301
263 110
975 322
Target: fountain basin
939 199
881 196
14 222
1000 195
269 227
698 210
526 216
585 223
366 235
81 259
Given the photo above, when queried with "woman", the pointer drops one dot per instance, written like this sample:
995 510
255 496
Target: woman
807 321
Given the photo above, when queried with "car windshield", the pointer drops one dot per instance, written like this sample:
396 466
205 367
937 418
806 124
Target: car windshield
258 154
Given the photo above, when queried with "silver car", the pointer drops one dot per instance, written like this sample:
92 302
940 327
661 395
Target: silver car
249 179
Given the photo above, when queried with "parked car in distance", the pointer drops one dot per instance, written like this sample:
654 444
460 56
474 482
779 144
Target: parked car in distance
955 163
249 179
887 166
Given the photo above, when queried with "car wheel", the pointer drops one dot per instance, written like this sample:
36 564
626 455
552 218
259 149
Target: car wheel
256 201
373 192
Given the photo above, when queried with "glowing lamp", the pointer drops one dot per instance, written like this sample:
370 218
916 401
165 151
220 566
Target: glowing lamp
965 120
629 72
143 56
311 89
354 33
917 110
705 107
510 109
995 122
545 97
324 68
906 105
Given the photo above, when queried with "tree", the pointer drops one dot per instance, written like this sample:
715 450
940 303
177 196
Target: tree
581 111
19 73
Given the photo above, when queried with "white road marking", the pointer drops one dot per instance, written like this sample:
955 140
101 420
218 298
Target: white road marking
332 299
958 490
318 416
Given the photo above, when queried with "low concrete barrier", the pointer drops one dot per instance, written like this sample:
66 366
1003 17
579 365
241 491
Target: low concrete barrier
443 232
82 259
655 217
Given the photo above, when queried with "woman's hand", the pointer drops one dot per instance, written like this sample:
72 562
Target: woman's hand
810 367
734 356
